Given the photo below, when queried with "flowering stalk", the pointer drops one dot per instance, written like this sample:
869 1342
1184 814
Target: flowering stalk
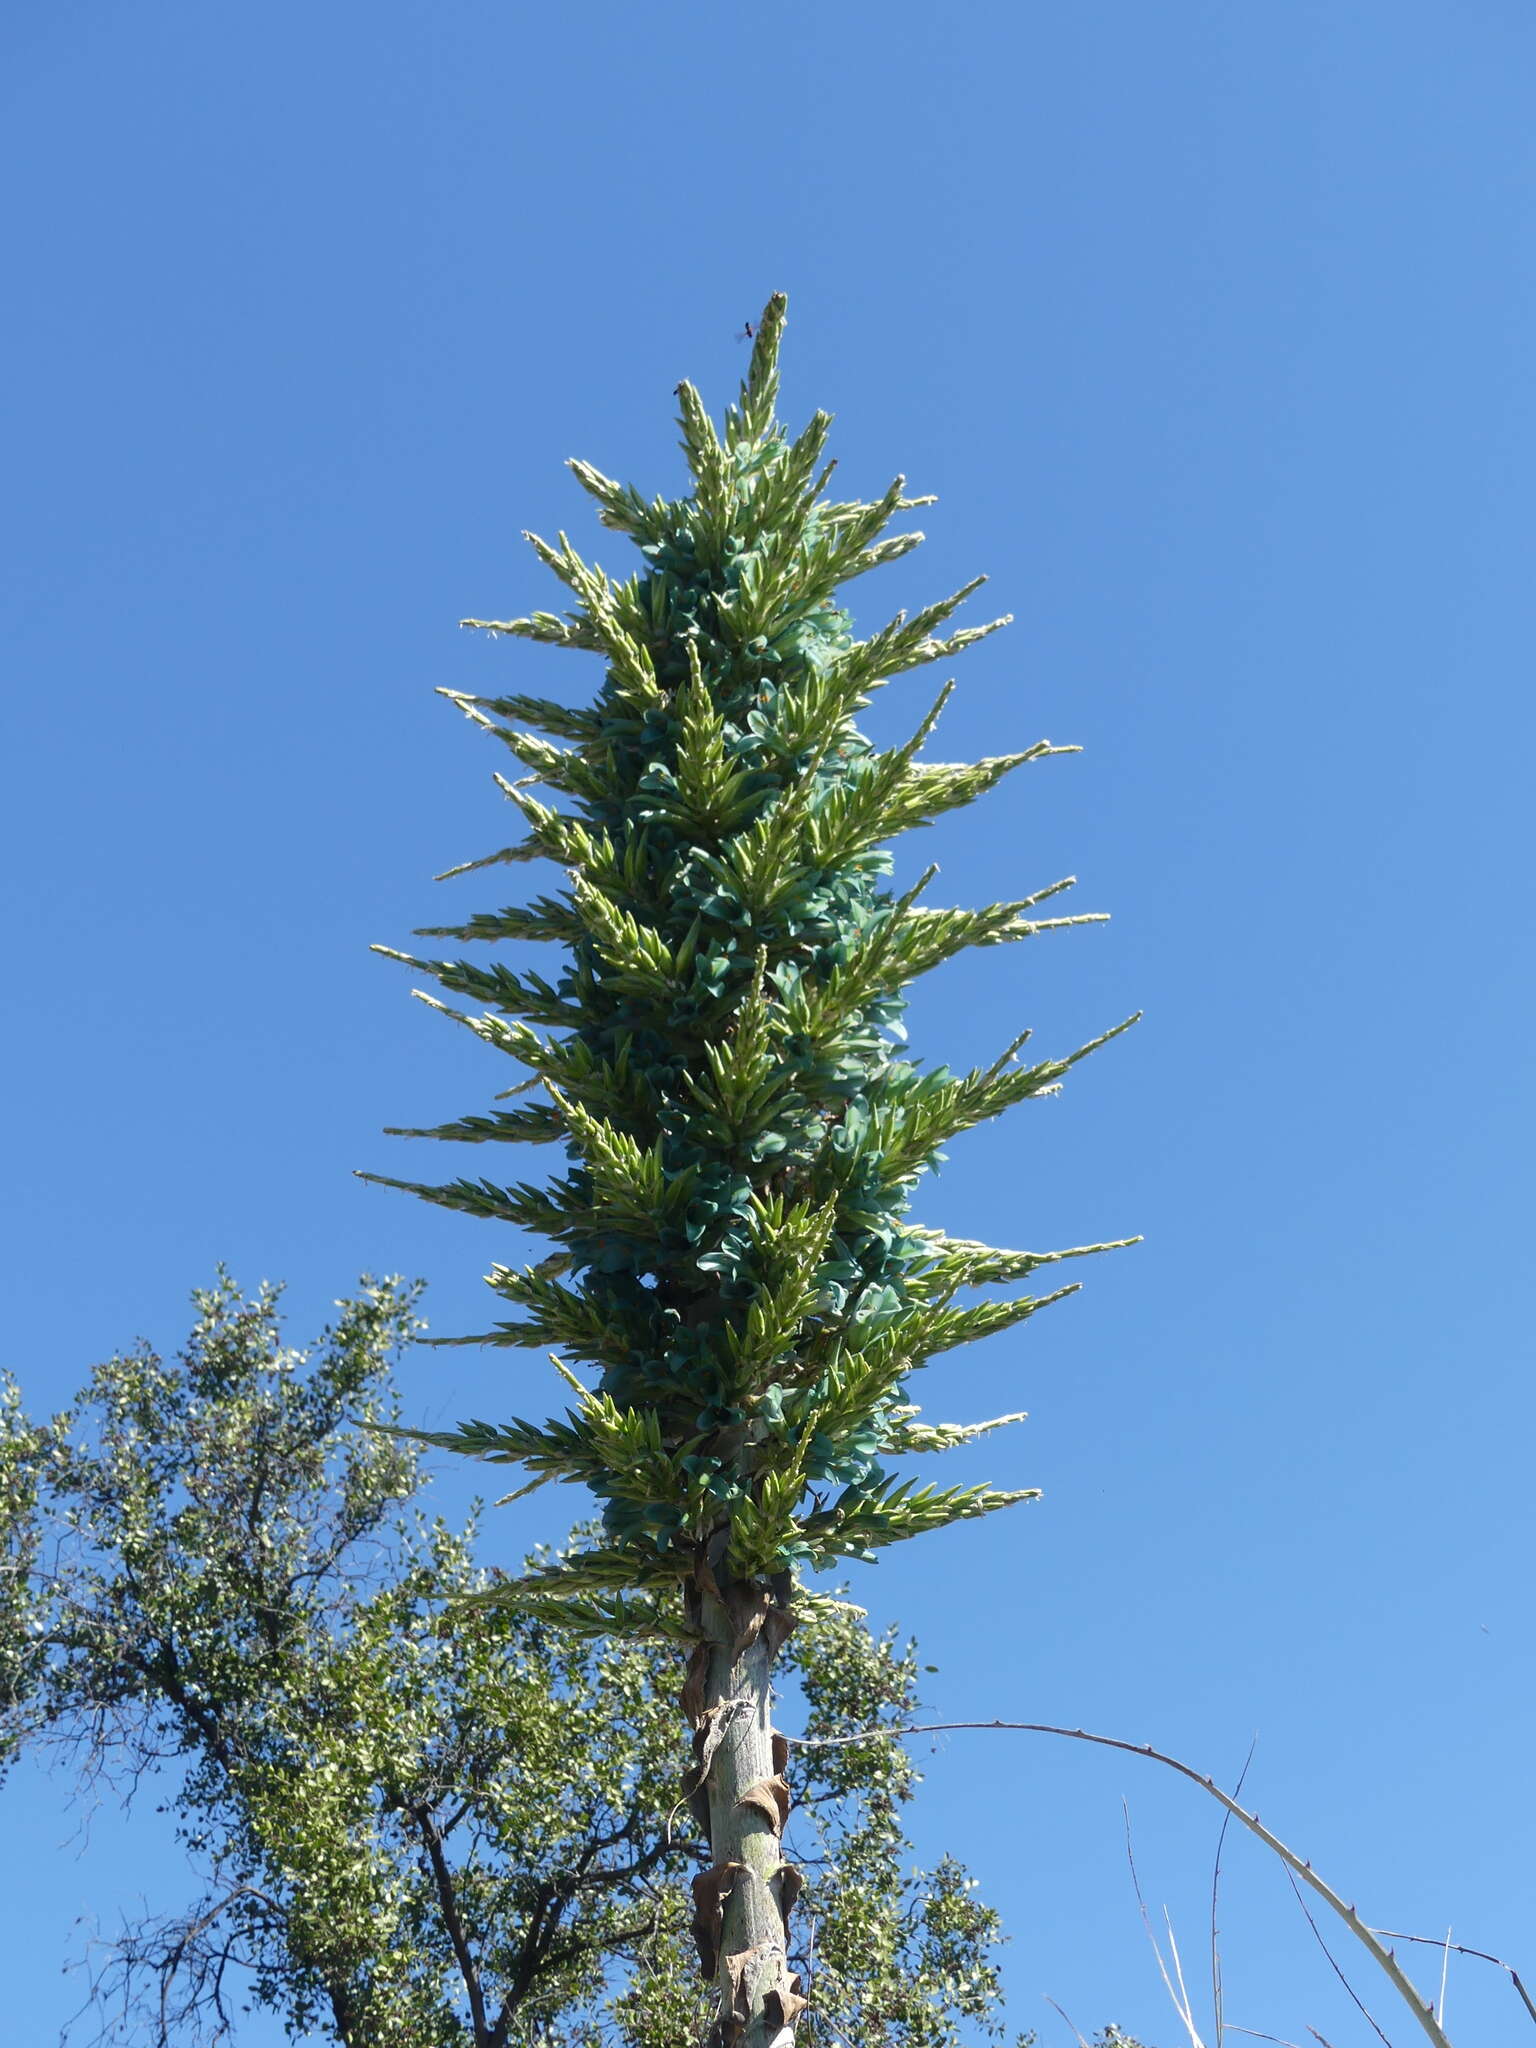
721 1061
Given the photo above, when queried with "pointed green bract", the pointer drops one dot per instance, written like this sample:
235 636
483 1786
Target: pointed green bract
722 1054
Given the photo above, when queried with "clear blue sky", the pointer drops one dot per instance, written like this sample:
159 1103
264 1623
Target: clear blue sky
1213 327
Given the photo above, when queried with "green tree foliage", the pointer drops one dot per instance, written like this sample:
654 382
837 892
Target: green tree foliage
413 1836
720 1059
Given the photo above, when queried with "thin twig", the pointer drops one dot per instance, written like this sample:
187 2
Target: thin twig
1422 2010
1178 1970
1460 1949
1218 2008
1082 2041
1180 2005
1333 1963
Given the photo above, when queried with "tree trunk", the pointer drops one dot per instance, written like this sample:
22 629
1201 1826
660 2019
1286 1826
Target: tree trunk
739 1795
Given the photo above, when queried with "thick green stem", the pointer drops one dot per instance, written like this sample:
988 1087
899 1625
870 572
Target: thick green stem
742 1901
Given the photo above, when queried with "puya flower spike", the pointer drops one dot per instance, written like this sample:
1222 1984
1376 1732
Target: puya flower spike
721 1055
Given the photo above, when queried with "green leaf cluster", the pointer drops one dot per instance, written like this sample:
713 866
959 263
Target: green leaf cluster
721 1054
412 1835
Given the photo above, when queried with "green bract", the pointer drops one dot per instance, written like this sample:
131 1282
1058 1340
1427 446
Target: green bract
720 1057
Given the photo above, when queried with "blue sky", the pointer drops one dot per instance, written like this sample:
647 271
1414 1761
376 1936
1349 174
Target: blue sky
1211 325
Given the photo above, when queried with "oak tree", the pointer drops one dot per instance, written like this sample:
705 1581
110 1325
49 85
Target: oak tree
220 1586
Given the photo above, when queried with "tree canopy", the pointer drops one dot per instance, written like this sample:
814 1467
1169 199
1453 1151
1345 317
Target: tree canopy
410 1835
